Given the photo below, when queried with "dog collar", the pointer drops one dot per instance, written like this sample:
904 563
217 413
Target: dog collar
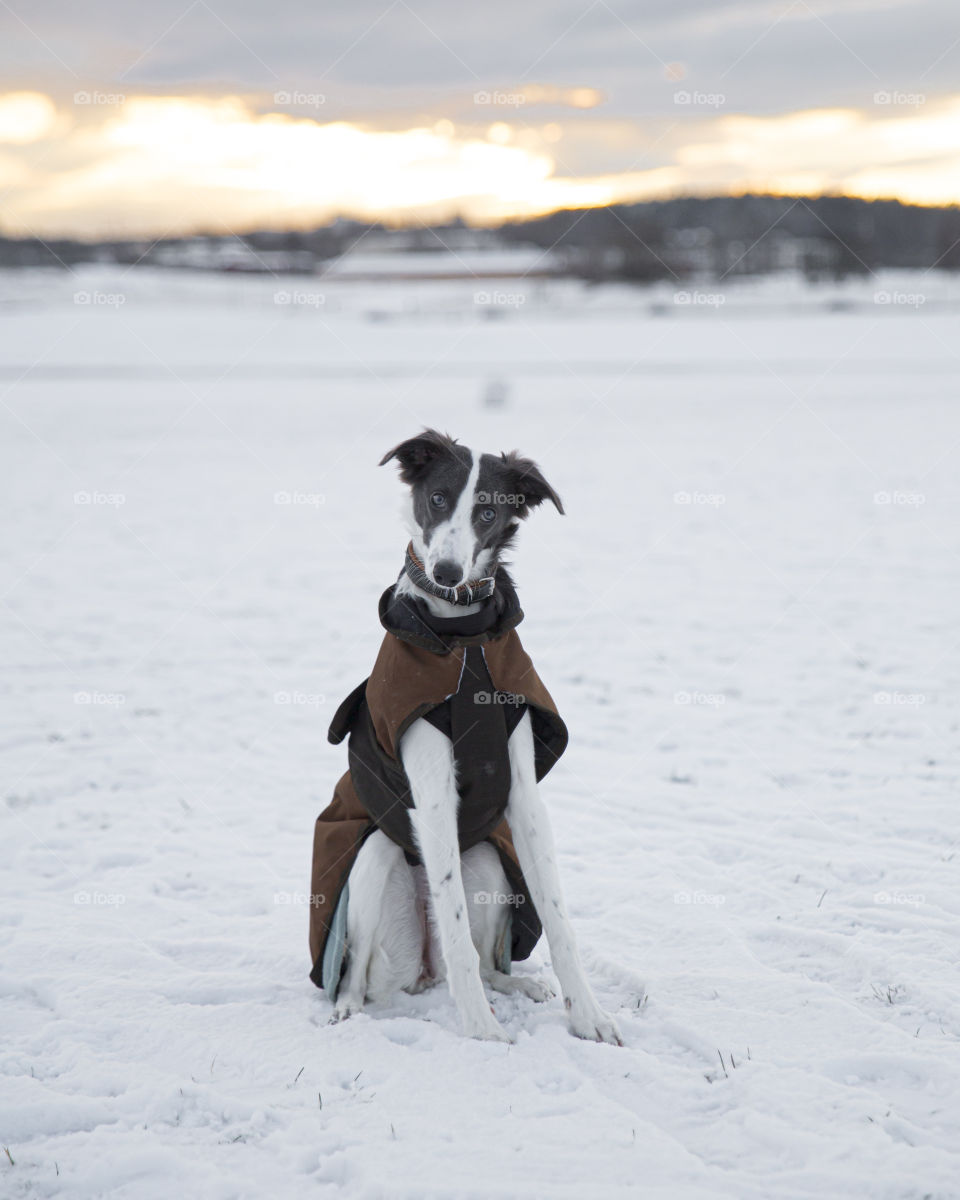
464 593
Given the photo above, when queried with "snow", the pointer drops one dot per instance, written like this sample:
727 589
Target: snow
748 620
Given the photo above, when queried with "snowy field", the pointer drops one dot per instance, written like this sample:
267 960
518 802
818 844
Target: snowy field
748 619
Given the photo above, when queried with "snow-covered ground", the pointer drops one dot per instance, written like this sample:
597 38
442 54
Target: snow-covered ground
748 619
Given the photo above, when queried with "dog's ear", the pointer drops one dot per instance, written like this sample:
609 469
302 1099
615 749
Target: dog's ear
528 484
416 453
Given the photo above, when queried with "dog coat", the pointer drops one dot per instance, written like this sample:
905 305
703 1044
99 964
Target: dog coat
470 677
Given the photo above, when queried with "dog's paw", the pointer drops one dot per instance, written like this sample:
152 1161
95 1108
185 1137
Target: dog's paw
486 1030
346 1008
591 1023
536 989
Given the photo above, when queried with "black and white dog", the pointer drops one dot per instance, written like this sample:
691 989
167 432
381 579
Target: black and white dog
464 510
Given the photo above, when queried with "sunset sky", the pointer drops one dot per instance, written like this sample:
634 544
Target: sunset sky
177 116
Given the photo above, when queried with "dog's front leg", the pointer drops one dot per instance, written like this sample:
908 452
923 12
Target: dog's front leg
533 838
428 761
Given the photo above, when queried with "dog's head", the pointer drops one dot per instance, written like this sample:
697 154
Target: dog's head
465 506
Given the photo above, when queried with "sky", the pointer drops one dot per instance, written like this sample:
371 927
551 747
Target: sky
181 115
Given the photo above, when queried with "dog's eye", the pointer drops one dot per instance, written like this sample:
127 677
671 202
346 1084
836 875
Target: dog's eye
488 515
438 499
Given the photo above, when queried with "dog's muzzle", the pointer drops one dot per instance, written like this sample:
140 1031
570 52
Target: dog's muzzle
464 593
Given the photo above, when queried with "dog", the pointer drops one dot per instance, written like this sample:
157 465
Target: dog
436 859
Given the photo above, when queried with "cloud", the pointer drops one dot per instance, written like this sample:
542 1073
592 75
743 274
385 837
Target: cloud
132 165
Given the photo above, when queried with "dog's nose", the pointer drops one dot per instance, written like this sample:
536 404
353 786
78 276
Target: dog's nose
447 573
